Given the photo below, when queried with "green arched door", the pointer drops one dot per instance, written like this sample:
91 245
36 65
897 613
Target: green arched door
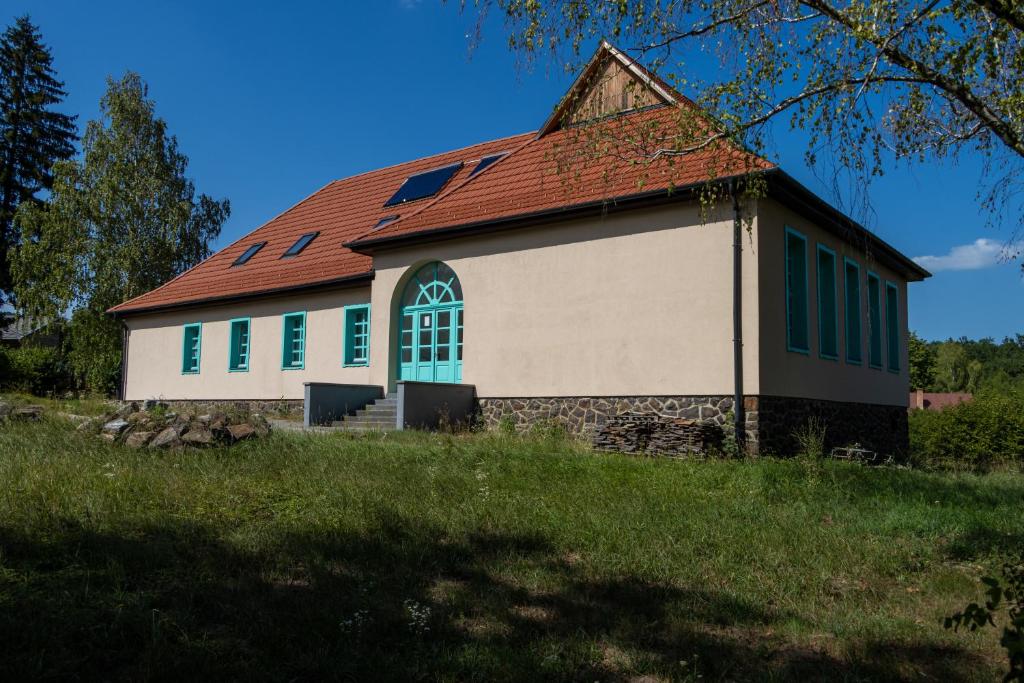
430 340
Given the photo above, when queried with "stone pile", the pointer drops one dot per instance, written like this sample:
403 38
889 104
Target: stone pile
155 426
8 411
652 433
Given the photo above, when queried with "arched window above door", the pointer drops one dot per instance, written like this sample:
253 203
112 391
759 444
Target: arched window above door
435 284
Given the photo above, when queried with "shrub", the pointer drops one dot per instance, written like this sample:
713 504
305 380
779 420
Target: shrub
33 369
976 435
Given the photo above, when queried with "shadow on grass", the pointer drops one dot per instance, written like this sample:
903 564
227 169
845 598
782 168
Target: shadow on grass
399 601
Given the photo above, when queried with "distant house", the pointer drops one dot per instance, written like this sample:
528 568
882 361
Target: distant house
571 295
926 400
15 331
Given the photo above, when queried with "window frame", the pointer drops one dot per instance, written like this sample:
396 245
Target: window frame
284 340
245 256
288 253
896 367
873 363
186 351
790 232
835 302
232 367
847 261
348 358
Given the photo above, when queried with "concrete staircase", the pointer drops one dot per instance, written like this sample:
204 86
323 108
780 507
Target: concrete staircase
379 415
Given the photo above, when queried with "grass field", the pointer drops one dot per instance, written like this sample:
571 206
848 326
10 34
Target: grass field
482 557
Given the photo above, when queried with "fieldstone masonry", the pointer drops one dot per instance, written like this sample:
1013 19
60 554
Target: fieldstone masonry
770 421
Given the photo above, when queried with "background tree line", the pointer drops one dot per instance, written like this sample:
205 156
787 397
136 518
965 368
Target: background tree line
82 232
968 365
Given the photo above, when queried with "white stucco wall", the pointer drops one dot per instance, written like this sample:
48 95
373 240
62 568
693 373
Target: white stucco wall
155 350
638 303
787 373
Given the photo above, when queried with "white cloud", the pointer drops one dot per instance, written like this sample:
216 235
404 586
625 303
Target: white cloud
981 253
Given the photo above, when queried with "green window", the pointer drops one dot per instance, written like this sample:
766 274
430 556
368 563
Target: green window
892 324
357 335
796 292
828 307
293 345
191 341
854 353
874 321
238 359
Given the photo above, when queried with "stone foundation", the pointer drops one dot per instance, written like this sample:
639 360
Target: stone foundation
283 408
770 421
879 428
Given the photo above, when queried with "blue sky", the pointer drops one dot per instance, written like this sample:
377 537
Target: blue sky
272 100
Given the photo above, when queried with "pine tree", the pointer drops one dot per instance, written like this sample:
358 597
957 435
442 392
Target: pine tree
119 222
32 135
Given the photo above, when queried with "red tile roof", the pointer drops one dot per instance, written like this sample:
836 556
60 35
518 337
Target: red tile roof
340 211
615 159
527 180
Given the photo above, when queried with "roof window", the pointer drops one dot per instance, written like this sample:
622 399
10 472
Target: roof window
300 244
485 162
248 254
422 185
386 221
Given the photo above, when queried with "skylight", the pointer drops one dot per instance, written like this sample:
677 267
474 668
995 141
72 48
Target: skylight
426 184
300 244
248 253
385 221
485 162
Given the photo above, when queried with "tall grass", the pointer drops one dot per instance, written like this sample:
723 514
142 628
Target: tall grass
481 557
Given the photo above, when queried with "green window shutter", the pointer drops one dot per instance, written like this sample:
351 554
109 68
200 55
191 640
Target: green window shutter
190 348
796 292
892 325
357 335
854 354
293 343
238 360
874 321
828 314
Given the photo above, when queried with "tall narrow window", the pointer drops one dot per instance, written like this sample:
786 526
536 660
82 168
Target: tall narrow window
828 313
796 292
854 354
238 358
191 341
892 325
293 345
357 335
874 321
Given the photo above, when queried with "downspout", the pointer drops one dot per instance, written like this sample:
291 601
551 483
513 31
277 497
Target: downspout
739 419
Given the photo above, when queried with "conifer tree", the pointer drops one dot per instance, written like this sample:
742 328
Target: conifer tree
32 135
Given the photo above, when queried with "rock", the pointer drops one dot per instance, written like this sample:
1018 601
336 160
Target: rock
205 419
27 413
138 439
198 436
115 427
108 437
260 424
151 403
139 418
168 438
241 431
127 409
5 409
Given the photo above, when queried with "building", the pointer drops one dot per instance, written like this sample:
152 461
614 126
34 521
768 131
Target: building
555 278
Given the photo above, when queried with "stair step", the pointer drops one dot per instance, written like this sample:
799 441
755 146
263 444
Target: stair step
385 412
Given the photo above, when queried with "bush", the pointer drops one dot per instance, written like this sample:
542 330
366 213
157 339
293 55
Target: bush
976 435
35 370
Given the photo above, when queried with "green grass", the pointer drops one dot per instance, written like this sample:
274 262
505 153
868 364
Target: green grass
481 557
